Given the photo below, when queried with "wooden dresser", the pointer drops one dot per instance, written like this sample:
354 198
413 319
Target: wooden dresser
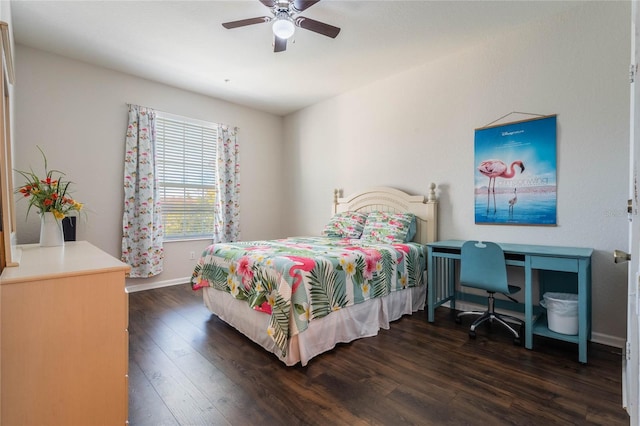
64 348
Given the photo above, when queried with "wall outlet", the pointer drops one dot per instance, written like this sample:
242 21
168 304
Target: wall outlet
192 255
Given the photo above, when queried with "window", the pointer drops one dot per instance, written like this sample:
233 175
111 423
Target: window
186 167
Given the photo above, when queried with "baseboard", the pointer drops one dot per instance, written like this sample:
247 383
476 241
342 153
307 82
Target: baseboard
157 284
601 338
605 339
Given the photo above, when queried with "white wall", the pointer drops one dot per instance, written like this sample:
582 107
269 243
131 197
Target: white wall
77 114
418 127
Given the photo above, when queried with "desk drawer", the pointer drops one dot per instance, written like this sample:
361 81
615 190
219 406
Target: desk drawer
554 263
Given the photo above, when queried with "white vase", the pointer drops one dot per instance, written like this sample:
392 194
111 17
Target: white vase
50 231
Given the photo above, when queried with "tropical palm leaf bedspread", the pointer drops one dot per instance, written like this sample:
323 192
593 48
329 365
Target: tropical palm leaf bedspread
297 280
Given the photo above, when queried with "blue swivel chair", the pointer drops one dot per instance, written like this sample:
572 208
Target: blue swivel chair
483 266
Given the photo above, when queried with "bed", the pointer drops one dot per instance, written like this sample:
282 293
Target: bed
299 297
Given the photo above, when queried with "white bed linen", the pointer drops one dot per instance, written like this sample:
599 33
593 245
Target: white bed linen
356 321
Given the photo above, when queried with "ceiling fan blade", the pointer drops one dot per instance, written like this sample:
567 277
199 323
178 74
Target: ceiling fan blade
269 3
317 26
279 44
245 22
300 5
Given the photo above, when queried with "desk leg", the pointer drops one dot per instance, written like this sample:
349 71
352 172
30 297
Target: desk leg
528 304
431 273
451 283
584 290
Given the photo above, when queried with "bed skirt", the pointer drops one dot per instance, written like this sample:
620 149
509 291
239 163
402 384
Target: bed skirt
342 326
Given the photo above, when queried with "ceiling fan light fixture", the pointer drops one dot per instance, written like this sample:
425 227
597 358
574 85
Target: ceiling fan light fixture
283 27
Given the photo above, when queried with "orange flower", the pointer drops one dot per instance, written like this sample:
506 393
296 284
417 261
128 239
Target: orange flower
49 181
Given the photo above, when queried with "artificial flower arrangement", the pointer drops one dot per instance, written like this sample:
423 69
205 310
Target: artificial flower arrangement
50 194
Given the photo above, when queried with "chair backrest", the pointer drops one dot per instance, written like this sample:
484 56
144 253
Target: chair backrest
482 265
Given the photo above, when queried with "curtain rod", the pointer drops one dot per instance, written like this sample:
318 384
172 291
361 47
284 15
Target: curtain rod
184 117
175 116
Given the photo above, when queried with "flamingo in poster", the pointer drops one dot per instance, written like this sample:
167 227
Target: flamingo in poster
513 201
494 169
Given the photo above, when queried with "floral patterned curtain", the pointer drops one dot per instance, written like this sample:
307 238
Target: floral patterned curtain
227 213
142 223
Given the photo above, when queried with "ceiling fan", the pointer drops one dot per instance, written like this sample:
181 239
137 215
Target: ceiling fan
285 21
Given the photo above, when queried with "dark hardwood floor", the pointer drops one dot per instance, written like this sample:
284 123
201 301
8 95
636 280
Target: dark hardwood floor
186 367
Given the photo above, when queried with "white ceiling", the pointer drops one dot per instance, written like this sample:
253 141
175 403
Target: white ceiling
183 44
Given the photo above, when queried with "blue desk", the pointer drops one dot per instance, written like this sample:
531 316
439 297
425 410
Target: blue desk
562 269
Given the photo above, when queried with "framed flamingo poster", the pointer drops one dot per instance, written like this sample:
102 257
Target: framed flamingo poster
515 173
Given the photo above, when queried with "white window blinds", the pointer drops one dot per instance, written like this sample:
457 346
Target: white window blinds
186 167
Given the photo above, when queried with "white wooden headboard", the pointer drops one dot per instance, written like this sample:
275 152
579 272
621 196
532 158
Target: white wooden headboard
395 201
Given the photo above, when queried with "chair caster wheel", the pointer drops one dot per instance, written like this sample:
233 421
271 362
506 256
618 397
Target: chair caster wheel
517 342
472 334
458 320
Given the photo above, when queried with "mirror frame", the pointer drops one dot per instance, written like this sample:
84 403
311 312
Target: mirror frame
7 204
